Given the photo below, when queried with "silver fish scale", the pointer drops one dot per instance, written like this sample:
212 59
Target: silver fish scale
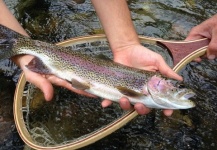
90 69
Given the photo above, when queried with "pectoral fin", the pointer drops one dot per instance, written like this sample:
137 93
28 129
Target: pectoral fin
129 92
36 65
78 85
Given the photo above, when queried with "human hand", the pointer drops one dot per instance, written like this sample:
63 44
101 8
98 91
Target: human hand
138 56
207 29
44 82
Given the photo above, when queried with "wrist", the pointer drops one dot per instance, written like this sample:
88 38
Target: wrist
125 53
124 42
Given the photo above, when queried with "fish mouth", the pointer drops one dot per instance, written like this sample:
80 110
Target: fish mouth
166 95
184 94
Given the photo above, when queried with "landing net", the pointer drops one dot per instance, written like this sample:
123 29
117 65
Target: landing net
69 117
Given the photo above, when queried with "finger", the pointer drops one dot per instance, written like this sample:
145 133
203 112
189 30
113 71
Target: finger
193 36
63 83
197 59
212 47
196 33
141 109
43 84
168 112
167 71
106 103
149 68
125 104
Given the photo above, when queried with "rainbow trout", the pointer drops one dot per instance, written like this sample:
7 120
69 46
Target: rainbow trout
103 78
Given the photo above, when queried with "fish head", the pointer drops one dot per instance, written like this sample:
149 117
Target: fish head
163 94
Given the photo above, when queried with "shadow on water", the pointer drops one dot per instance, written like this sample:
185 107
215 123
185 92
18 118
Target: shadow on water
54 21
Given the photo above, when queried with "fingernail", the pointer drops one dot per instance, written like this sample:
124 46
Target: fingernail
211 57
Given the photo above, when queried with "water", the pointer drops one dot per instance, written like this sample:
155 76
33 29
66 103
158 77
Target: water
58 20
9 137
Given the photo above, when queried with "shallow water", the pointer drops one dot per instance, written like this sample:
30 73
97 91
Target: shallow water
58 20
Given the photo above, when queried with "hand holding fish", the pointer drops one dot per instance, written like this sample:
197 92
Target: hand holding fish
138 56
108 80
103 78
126 47
207 29
41 81
44 82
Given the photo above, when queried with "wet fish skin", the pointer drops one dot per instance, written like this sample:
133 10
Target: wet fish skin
105 79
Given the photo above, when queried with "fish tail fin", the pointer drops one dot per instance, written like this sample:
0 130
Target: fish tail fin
7 39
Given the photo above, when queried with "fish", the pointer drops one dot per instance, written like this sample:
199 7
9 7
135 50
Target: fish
103 78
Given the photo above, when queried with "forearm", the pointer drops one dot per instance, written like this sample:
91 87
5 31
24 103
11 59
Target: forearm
7 19
116 21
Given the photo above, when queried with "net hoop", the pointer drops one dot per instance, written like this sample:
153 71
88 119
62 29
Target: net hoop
91 138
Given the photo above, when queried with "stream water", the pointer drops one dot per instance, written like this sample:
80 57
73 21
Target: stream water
57 20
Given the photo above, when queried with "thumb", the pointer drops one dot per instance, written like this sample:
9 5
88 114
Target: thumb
192 36
212 47
167 71
198 32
